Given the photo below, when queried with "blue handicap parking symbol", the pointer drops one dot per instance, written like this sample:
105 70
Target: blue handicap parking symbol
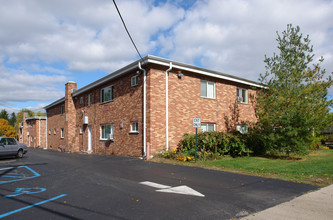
21 191
13 174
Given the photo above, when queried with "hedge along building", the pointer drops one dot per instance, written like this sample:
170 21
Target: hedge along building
146 107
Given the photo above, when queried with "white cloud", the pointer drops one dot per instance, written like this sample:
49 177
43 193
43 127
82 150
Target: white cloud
234 36
19 86
86 35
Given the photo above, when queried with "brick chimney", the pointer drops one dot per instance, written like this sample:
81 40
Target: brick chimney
71 142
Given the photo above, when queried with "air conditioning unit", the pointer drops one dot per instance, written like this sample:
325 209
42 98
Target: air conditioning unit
85 120
240 99
110 136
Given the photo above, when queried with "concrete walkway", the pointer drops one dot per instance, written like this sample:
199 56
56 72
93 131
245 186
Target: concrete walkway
313 205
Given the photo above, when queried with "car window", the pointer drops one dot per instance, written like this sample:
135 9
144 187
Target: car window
11 141
3 141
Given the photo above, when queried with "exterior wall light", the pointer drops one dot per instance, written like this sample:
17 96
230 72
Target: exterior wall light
180 75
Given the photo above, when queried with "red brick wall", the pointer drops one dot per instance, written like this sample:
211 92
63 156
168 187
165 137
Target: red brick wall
185 103
71 141
55 121
36 136
125 108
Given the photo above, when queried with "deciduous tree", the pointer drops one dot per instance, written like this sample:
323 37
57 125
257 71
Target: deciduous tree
19 117
6 129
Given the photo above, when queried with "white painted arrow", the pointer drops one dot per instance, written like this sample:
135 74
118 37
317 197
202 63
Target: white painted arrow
185 190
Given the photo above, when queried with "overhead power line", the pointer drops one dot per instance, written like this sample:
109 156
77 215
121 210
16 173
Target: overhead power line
115 4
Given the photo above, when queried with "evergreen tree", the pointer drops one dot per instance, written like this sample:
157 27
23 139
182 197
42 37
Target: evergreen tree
12 120
4 114
295 105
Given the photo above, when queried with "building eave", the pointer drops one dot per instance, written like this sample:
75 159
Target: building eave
36 118
149 59
59 101
202 71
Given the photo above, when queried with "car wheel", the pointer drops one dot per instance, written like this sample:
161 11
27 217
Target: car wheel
19 154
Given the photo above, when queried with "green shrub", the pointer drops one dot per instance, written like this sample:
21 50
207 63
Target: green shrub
213 144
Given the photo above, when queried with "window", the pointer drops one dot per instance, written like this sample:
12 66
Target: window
242 128
135 80
11 141
207 89
62 109
134 127
81 100
55 131
49 131
81 130
242 95
3 141
107 94
55 110
62 133
89 99
207 127
107 132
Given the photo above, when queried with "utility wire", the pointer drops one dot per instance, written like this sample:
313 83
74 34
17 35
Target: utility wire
114 2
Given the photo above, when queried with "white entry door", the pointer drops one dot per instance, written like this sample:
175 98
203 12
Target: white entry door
89 139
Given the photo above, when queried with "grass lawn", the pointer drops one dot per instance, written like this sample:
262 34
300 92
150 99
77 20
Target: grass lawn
315 168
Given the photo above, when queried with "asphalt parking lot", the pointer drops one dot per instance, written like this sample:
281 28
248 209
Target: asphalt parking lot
55 185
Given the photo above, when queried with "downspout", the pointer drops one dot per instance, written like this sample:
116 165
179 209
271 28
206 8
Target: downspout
144 111
167 106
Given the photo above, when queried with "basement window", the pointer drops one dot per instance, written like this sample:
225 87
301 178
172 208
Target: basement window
242 128
62 133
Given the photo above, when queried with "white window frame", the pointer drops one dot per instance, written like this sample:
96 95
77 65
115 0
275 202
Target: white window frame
89 99
205 87
206 126
134 127
134 80
62 133
104 134
243 129
103 94
242 95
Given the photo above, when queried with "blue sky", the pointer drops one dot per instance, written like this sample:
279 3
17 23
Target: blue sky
45 43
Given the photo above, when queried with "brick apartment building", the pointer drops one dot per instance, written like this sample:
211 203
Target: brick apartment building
32 131
145 107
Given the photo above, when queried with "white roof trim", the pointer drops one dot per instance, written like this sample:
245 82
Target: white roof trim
164 62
